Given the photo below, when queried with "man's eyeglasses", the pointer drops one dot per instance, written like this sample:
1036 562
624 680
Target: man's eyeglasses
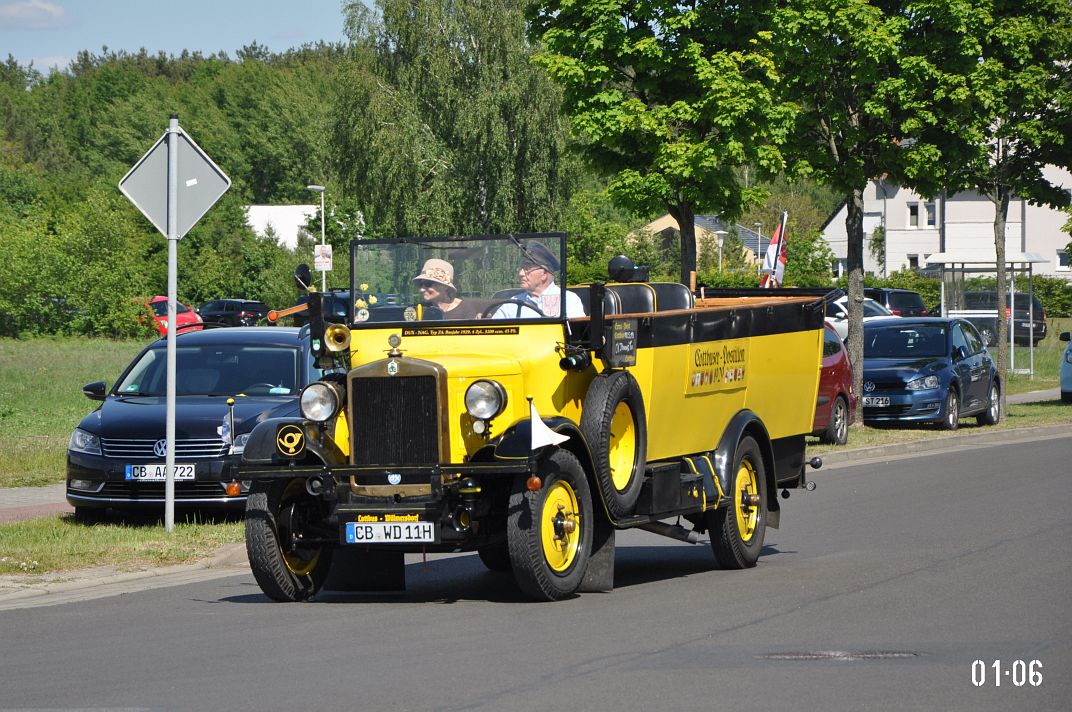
526 269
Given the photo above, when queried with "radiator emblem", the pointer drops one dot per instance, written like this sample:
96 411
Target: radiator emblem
392 368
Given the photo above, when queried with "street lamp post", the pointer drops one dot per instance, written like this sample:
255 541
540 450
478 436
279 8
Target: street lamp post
760 252
721 235
323 232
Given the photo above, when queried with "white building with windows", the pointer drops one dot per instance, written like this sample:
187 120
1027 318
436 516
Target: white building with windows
917 227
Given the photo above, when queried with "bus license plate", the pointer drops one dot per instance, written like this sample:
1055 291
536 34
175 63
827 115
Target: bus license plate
389 532
155 472
876 401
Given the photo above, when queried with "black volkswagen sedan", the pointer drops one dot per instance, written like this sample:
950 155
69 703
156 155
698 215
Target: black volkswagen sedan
116 455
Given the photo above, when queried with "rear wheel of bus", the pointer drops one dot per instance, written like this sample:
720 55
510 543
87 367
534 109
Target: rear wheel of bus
737 530
549 531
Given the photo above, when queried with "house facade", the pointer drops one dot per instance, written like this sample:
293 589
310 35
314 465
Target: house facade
917 226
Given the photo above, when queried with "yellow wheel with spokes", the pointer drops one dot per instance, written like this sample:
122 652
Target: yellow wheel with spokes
560 526
615 428
549 531
738 526
622 454
285 540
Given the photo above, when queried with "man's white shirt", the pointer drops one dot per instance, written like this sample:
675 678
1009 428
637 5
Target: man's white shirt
549 302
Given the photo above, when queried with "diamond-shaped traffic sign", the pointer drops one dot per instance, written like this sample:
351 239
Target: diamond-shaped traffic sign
200 184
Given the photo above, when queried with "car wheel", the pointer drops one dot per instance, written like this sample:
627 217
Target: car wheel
280 517
837 429
992 414
495 556
952 410
1066 396
89 515
549 532
615 426
737 530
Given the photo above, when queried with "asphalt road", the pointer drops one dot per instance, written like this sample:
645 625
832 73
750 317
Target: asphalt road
879 592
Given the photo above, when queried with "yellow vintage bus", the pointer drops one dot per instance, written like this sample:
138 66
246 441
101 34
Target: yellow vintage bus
471 403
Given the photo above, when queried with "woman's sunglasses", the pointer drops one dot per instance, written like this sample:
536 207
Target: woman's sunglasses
425 284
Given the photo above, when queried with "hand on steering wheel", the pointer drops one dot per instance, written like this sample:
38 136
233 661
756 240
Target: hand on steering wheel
519 302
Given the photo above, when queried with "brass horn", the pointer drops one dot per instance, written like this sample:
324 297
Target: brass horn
337 338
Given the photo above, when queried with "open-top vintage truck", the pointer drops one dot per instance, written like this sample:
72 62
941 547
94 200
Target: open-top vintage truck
526 432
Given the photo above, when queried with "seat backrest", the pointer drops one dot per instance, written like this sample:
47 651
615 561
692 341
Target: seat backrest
672 295
611 304
190 381
634 297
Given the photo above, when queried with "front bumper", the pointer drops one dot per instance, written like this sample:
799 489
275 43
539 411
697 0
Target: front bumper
111 489
922 406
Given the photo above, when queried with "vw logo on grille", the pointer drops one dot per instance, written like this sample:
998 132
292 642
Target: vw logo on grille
869 386
394 478
160 448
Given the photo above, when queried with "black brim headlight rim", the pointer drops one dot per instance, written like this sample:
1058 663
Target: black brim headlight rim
83 441
485 399
320 401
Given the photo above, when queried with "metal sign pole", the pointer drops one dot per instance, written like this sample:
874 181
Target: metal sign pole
172 280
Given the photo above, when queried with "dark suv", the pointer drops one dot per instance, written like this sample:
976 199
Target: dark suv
1023 314
233 312
902 302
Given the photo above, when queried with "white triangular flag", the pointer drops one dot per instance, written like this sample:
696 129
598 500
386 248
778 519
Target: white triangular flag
541 434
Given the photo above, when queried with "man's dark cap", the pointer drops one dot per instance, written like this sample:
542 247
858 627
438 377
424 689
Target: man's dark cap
538 255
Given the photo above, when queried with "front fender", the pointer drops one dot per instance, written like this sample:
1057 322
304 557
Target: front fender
262 448
743 422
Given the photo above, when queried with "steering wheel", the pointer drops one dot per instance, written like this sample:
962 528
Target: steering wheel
490 309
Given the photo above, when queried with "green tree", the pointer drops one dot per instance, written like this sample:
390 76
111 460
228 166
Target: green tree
669 99
443 125
877 246
807 260
1012 115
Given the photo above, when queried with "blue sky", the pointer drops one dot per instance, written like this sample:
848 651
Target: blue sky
51 32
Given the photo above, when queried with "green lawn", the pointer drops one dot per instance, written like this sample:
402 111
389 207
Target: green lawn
41 400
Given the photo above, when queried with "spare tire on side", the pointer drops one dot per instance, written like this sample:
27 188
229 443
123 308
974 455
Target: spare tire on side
615 425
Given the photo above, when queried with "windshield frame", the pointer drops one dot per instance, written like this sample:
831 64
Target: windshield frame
439 246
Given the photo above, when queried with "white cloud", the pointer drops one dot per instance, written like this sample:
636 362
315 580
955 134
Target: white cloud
34 15
56 61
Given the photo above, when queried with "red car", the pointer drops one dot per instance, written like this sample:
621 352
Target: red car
185 317
836 404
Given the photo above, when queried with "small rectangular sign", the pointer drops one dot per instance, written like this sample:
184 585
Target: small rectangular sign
621 347
459 330
717 366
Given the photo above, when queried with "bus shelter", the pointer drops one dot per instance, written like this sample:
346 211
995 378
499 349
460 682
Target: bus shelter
956 266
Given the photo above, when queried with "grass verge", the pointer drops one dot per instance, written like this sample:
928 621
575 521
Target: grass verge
58 543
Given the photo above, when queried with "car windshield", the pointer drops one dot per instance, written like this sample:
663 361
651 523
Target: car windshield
160 308
460 279
216 370
906 342
873 308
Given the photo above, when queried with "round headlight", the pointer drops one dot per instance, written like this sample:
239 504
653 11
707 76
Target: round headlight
320 401
485 399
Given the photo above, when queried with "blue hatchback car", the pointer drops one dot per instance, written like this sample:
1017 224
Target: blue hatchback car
928 370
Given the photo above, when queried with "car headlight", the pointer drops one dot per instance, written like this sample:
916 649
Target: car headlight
485 399
320 401
81 441
923 384
239 444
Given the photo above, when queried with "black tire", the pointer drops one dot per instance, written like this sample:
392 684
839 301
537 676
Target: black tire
737 531
495 556
615 425
951 417
837 429
90 515
555 571
1066 396
298 573
992 414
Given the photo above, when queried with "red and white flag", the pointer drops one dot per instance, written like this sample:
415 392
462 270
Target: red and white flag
774 261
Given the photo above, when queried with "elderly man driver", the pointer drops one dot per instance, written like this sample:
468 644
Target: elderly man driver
537 280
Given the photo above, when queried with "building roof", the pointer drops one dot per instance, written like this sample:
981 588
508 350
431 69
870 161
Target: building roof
985 256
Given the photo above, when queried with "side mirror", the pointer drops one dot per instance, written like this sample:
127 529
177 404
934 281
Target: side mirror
95 391
303 277
960 353
1065 336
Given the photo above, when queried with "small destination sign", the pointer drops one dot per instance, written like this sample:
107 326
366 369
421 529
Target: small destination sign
621 347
